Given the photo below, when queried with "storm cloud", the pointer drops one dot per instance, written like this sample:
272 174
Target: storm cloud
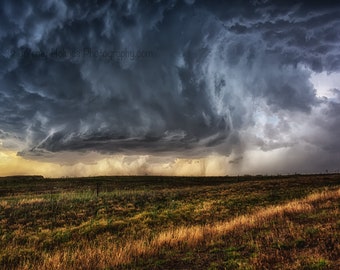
184 78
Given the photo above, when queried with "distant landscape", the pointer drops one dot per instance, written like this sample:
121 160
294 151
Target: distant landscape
144 222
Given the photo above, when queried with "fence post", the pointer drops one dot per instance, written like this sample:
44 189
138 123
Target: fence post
97 189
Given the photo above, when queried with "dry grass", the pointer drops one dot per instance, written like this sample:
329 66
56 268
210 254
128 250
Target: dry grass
110 254
4 204
149 223
31 201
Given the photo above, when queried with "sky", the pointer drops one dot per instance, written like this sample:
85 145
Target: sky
169 87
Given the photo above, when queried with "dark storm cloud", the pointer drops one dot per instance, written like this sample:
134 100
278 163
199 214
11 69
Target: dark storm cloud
327 125
119 76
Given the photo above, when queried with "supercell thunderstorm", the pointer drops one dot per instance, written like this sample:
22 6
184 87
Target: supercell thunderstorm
176 78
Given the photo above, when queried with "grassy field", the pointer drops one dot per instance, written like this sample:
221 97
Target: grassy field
282 222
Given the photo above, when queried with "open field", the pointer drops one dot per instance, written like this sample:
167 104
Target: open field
282 222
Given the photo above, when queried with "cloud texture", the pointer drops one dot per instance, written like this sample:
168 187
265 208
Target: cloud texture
176 78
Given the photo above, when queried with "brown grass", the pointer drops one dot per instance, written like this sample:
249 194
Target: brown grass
31 201
100 255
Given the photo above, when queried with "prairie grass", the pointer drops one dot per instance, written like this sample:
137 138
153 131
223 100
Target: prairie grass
187 236
30 201
266 223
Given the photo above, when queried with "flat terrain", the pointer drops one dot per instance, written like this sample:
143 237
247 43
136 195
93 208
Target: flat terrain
250 222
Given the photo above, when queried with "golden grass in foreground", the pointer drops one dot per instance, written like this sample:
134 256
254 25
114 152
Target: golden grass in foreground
109 254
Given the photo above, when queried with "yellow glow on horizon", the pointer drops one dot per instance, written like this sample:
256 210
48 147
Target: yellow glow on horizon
12 164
